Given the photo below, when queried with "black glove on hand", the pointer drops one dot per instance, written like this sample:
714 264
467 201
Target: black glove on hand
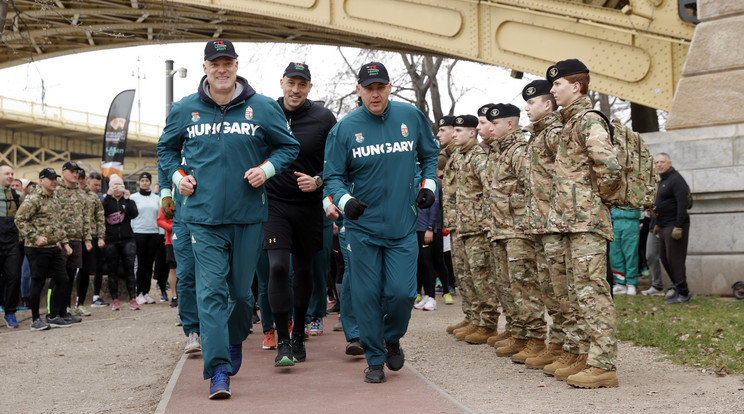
168 207
425 198
354 208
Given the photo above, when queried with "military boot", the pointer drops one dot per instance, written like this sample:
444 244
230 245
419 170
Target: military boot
480 336
547 356
533 348
461 333
563 361
578 366
462 328
503 336
451 328
514 347
593 377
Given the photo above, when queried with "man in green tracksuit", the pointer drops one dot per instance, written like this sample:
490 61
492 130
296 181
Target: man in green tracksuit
223 133
371 175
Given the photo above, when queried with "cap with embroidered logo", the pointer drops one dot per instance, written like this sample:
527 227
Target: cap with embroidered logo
297 69
48 173
70 165
219 47
372 72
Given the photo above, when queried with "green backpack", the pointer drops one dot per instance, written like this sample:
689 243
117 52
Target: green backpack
639 181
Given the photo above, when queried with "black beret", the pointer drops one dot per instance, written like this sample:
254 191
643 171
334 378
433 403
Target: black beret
535 88
565 68
467 121
483 109
447 120
502 111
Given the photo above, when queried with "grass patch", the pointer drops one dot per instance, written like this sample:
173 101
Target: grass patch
707 333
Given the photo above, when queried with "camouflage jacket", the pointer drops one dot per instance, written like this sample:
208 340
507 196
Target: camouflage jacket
444 155
462 191
585 166
541 150
41 215
506 175
77 217
96 219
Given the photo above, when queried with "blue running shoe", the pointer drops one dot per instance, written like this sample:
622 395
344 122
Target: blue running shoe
236 356
219 385
11 321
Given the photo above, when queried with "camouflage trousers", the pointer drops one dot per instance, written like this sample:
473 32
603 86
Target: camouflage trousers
528 320
501 282
553 275
588 252
472 263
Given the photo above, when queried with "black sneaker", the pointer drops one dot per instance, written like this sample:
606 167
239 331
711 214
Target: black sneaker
256 319
354 347
39 325
174 302
72 318
283 355
374 374
298 349
679 298
394 357
58 322
335 309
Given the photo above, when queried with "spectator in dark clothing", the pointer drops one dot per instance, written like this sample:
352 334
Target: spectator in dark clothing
431 253
673 226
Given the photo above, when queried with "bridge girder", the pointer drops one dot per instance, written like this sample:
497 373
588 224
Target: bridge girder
636 53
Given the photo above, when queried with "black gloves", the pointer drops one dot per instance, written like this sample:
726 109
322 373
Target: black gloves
425 198
168 207
354 208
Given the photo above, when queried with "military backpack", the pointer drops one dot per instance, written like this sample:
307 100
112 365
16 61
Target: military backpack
639 180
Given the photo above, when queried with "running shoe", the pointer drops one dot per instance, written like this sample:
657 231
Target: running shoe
448 299
115 306
193 343
99 303
133 305
219 385
256 319
374 374
339 326
149 300
453 291
418 298
284 355
430 305
163 297
39 325
335 309
174 302
394 357
71 318
420 304
354 347
178 320
316 327
10 320
58 322
298 349
236 357
269 340
80 310
141 299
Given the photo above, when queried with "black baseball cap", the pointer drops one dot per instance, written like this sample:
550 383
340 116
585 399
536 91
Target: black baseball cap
219 47
81 173
467 121
565 68
373 72
502 111
70 165
48 173
297 69
535 88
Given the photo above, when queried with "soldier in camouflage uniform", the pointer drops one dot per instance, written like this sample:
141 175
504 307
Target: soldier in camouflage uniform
39 220
465 218
445 132
93 258
513 248
586 172
76 223
550 246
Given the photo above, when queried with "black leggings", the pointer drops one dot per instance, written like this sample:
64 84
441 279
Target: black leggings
147 246
431 263
120 252
47 263
280 298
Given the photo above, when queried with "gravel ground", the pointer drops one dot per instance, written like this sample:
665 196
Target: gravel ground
120 362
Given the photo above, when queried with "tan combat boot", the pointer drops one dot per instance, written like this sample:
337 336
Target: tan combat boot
579 365
514 347
533 348
451 328
461 333
563 361
547 356
498 338
593 377
480 336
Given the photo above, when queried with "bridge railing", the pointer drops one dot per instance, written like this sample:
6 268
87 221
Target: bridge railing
73 119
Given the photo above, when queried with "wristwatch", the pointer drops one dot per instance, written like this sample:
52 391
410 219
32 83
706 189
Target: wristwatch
429 229
318 181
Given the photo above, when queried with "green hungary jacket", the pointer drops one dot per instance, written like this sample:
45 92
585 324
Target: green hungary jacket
221 143
376 159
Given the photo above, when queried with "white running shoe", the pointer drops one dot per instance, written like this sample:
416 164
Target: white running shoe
141 299
620 290
148 299
430 305
631 290
193 344
420 304
652 291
